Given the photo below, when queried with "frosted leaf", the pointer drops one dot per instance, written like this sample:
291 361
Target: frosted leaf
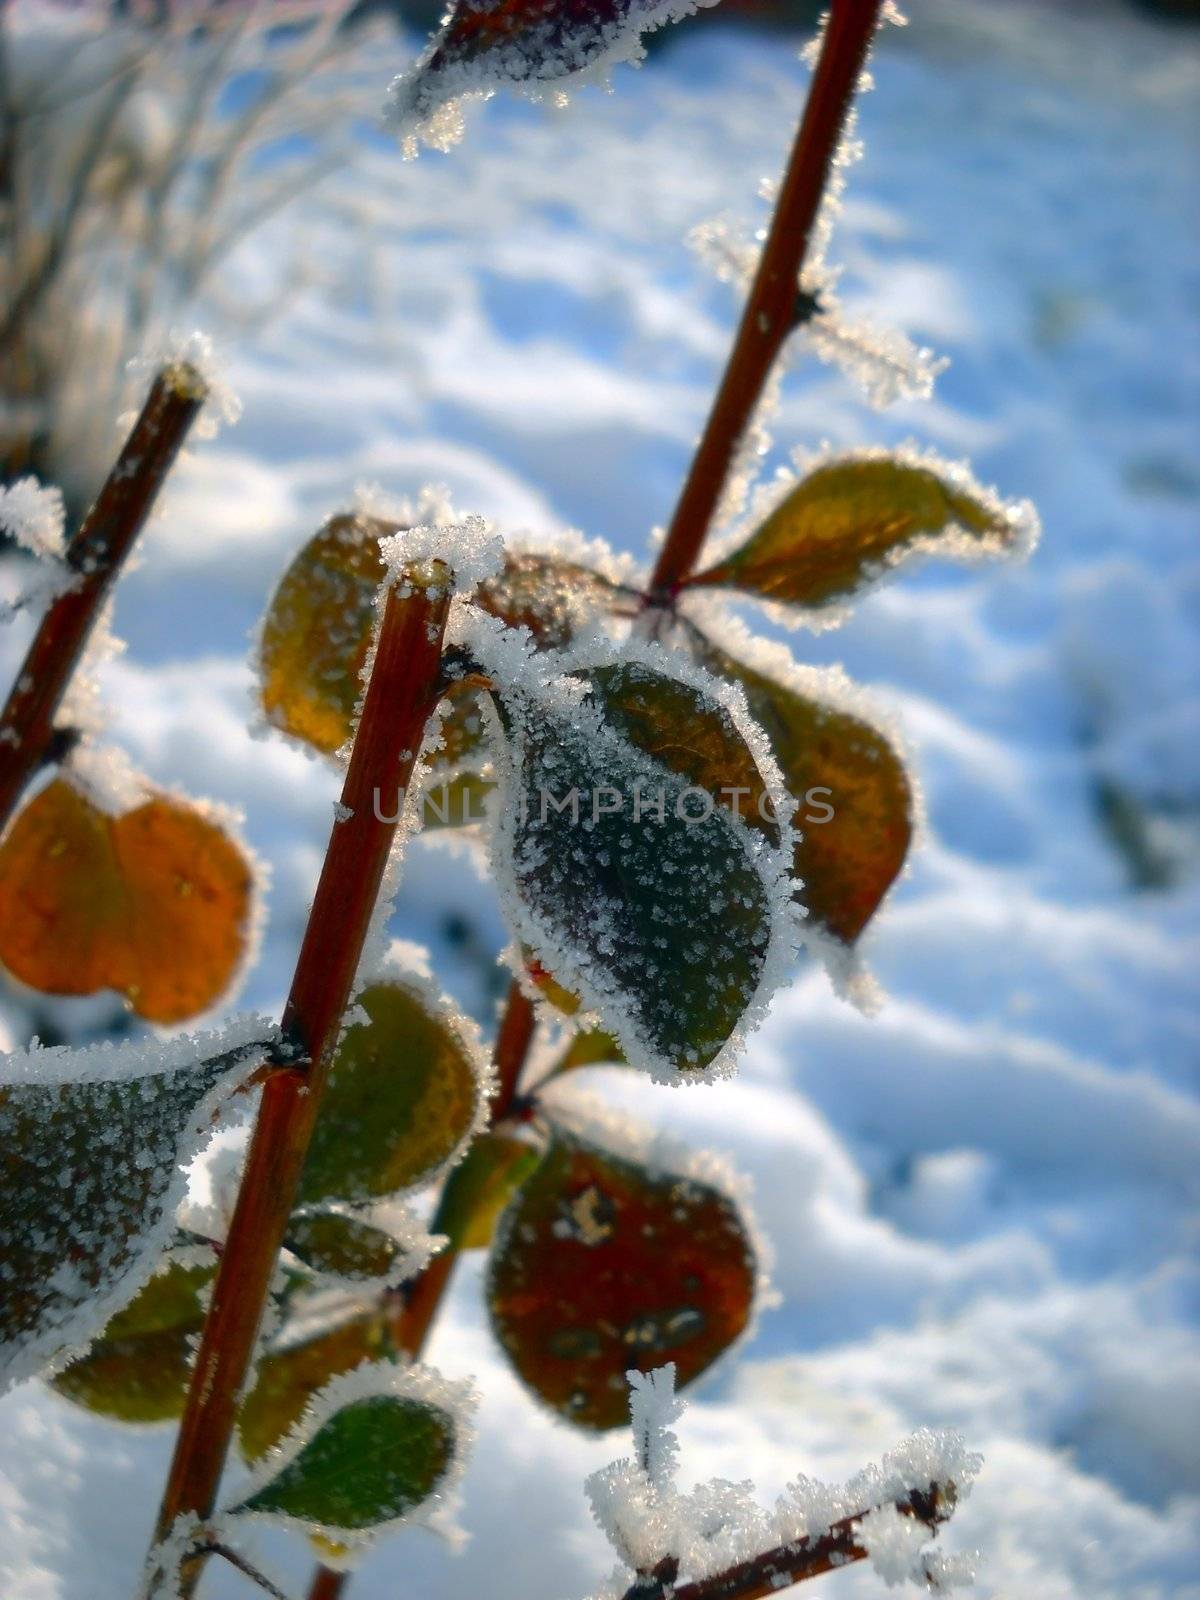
138 1367
856 805
606 1260
33 515
817 543
484 45
378 1448
623 864
158 901
94 1145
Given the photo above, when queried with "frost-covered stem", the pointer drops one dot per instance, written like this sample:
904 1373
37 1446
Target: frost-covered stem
767 1574
415 1318
770 314
400 696
94 558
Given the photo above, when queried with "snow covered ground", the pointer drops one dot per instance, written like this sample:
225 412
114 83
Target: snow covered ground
983 1201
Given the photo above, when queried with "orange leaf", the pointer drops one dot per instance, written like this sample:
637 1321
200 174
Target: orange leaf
155 903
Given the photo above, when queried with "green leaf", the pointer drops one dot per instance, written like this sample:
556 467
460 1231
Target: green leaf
479 1188
286 1379
376 1446
603 1263
92 1145
851 520
342 1246
138 1368
846 861
405 1091
668 927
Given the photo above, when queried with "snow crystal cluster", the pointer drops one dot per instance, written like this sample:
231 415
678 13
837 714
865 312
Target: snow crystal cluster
470 549
717 1525
33 515
222 406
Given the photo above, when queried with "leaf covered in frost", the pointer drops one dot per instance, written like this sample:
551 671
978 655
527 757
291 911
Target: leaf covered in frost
485 44
627 873
833 761
407 1090
853 519
137 1369
156 903
378 1448
92 1145
603 1264
550 595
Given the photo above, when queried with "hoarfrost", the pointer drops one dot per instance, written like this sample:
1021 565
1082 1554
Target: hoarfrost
469 548
33 514
718 1525
96 1144
222 406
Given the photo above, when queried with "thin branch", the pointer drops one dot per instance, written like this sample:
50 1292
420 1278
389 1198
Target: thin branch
95 555
400 695
770 313
244 1567
773 1570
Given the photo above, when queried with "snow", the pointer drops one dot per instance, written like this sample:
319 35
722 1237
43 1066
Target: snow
983 1200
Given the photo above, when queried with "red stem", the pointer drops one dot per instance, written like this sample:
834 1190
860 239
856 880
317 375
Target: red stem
95 556
770 314
400 695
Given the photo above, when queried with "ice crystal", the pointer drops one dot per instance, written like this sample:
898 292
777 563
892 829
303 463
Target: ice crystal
33 514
